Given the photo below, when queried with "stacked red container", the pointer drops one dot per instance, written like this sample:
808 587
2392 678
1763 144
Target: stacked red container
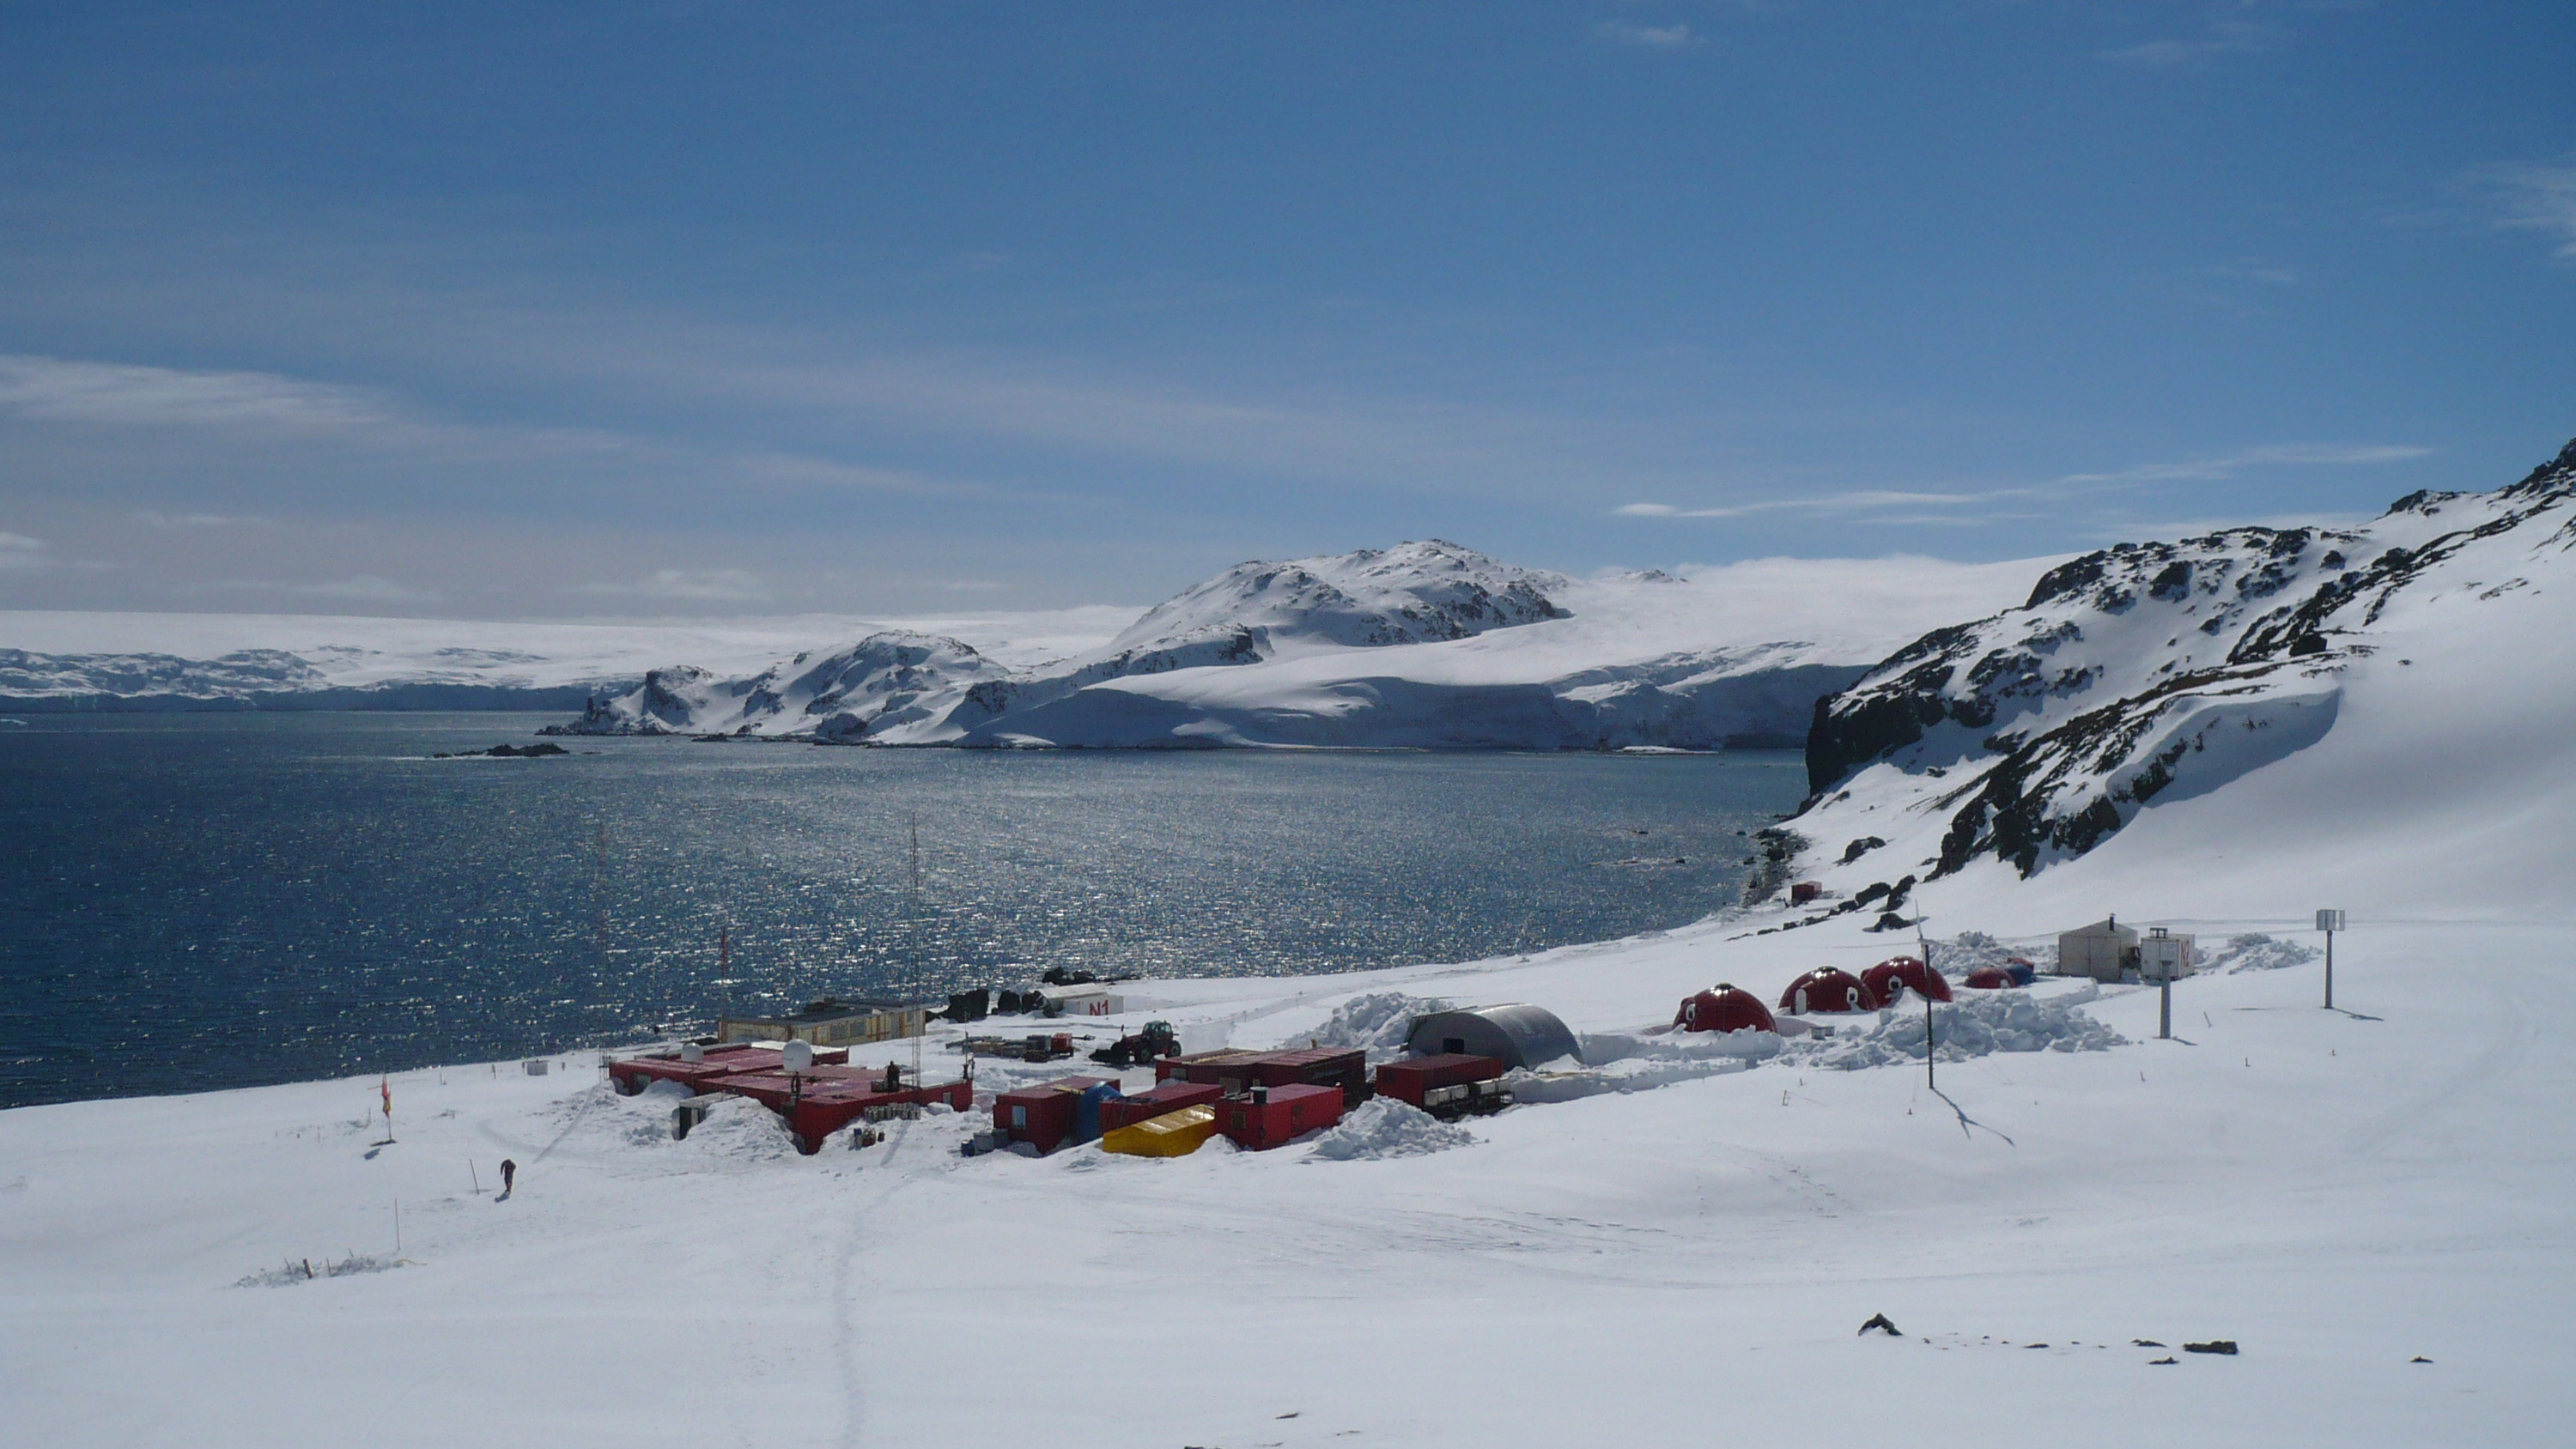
1271 1116
1407 1080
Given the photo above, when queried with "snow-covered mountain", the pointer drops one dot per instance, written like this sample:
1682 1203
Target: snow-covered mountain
2149 674
77 660
1425 645
1414 593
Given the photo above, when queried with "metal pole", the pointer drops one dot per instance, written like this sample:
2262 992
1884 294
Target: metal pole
1923 943
2164 1012
2329 969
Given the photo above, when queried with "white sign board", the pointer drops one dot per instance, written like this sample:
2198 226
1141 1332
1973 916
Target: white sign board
2329 920
2164 958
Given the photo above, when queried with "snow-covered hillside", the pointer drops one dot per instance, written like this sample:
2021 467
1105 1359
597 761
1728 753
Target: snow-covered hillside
1423 645
1674 1243
2146 675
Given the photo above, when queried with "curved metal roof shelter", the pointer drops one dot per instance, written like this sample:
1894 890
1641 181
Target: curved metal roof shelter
1515 1034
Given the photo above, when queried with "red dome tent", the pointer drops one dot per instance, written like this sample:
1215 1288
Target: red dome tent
1724 1008
1897 973
1828 989
1990 978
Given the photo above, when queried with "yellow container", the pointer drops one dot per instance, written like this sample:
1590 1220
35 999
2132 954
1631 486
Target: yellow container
1174 1134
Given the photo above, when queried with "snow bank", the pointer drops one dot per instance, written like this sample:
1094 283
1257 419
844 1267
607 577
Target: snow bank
1975 950
1636 1074
1376 1022
1383 1127
1603 1048
2258 952
1976 1025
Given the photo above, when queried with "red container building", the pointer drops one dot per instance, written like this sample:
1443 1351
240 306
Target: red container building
1886 978
1827 989
1420 1081
1042 1116
1208 1067
1145 1106
635 1074
1270 1116
1346 1068
1237 1071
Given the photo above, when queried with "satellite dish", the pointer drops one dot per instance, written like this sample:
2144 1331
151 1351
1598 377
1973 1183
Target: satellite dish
797 1056
692 1052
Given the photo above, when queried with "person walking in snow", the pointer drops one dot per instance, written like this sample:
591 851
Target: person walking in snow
509 1175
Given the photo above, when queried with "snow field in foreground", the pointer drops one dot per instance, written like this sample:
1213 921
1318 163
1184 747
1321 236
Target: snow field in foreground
2337 1194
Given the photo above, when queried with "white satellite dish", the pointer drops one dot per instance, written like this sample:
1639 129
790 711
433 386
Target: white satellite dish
797 1056
692 1052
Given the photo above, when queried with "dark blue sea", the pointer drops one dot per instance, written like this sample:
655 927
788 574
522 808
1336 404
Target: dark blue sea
191 902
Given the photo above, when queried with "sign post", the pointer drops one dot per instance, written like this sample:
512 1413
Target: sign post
2329 922
2161 958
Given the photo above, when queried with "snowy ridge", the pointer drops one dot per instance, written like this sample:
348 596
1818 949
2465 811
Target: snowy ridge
2149 673
884 681
61 660
1426 645
1414 593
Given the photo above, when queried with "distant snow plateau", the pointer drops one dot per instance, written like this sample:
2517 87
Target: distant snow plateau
1426 645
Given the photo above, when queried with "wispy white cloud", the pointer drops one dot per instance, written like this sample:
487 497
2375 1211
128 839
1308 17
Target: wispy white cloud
365 588
2231 32
1646 37
360 588
2228 465
67 390
731 586
18 551
172 522
2223 466
2533 197
2274 274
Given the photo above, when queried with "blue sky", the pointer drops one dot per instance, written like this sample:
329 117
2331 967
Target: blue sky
591 310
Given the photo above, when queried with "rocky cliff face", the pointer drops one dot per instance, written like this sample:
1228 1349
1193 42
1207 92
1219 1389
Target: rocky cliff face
2141 673
883 681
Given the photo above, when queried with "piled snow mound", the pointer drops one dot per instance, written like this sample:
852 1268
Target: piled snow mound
1642 1073
1383 1127
1604 1048
1974 950
738 1129
2258 952
1976 1025
1376 1023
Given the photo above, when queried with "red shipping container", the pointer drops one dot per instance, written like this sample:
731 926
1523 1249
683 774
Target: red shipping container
1346 1068
1145 1106
1407 1080
1271 1116
1042 1116
1202 1066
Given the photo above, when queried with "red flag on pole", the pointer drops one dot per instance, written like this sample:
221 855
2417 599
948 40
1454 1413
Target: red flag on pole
386 1086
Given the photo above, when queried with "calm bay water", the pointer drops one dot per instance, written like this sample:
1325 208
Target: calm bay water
190 902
